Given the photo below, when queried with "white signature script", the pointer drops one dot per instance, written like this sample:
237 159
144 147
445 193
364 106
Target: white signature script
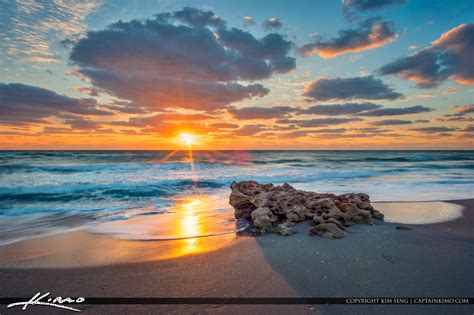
44 300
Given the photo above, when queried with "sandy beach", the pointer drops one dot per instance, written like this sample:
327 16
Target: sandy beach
431 260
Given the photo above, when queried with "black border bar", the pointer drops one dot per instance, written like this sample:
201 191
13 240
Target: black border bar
261 301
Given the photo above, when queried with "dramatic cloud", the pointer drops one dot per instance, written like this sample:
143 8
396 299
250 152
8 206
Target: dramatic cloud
340 109
159 63
369 88
434 129
391 122
368 5
26 104
272 24
258 58
261 112
448 58
397 111
462 110
371 33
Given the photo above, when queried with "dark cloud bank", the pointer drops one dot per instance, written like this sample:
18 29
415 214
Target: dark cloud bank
187 59
369 88
26 104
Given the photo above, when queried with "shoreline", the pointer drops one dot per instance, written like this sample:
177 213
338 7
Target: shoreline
49 250
430 260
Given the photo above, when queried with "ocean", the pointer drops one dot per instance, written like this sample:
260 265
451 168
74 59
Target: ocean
159 195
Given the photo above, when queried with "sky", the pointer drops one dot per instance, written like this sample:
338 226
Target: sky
317 74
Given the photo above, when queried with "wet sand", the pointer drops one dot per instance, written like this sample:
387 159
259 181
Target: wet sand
431 260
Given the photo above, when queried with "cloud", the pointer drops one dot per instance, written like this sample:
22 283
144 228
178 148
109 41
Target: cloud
448 58
370 34
261 112
160 63
224 126
67 43
260 58
318 122
32 29
80 123
272 24
249 130
462 109
85 90
455 118
248 20
368 5
125 107
391 122
325 132
369 88
340 109
195 17
468 129
56 130
434 129
397 111
162 118
329 130
26 104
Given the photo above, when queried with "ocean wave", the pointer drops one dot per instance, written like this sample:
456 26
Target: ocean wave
405 159
90 191
82 168
278 161
96 187
469 166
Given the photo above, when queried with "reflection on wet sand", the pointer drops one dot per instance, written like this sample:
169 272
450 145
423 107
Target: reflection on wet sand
82 249
194 227
187 229
189 223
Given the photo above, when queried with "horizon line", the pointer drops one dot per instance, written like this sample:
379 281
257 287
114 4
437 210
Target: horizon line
196 150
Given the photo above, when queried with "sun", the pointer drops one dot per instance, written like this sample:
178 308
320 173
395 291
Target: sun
187 138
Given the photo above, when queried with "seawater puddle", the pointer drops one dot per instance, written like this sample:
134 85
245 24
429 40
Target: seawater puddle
426 212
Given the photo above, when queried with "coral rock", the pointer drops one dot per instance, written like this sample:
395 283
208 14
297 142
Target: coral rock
263 218
327 230
268 206
284 230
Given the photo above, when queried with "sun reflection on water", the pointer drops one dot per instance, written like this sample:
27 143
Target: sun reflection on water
193 224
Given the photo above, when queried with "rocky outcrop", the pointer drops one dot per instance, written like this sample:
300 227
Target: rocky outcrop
277 208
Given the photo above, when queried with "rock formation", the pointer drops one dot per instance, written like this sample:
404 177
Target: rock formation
277 208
